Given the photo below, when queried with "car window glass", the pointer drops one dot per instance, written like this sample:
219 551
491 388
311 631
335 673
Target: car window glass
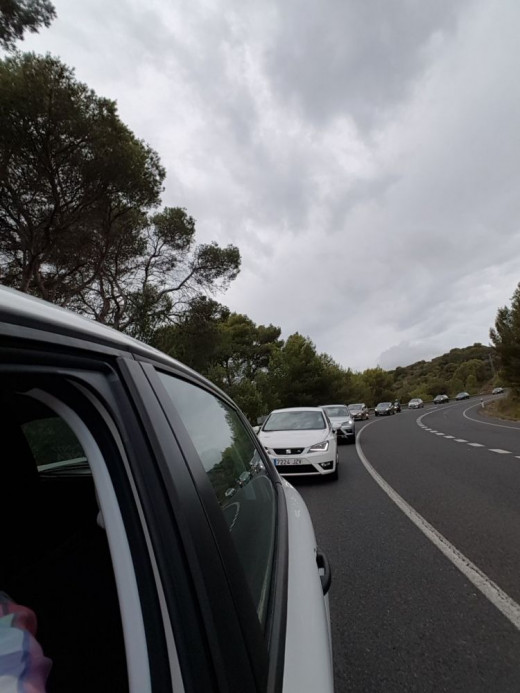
55 556
237 474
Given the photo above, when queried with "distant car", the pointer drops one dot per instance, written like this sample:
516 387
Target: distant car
497 390
384 409
342 421
415 403
441 399
359 411
462 395
397 406
301 441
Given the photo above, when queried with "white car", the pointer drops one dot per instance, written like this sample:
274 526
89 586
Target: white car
342 421
415 403
301 441
144 523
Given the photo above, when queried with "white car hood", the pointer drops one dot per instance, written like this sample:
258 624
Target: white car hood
292 439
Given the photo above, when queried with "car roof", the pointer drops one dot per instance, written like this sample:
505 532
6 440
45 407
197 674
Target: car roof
19 308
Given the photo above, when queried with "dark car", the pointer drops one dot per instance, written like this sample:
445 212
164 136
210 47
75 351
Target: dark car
359 411
462 395
384 409
144 523
441 399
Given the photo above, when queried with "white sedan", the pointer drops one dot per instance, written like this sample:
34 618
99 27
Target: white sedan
301 442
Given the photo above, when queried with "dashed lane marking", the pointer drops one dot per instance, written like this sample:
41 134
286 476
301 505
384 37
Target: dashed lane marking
502 601
499 451
476 445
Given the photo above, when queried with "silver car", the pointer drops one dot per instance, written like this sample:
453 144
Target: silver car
342 421
148 529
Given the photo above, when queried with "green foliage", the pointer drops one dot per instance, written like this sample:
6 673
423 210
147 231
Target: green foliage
378 386
20 16
447 373
75 182
76 198
506 338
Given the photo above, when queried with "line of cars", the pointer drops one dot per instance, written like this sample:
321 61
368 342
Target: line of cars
303 441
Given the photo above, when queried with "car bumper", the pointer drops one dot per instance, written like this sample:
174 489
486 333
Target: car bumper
317 464
346 435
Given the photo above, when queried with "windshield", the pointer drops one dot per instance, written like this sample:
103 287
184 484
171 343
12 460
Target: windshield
384 404
295 421
337 411
355 406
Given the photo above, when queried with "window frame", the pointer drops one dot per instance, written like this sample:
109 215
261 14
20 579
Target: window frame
267 648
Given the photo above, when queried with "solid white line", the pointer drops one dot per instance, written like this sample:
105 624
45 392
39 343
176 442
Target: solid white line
499 451
476 445
487 423
502 601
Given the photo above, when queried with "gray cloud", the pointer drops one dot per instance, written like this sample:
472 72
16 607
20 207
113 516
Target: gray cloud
363 156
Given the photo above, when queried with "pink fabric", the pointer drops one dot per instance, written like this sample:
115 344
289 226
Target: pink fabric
23 666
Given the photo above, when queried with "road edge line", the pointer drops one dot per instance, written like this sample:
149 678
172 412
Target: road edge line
502 601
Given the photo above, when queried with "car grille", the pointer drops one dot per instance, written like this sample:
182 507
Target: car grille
288 451
296 469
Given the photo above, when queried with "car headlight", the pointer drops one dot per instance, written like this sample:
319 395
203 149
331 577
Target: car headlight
347 423
320 447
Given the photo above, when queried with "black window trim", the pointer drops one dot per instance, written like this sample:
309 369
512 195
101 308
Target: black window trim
222 632
274 635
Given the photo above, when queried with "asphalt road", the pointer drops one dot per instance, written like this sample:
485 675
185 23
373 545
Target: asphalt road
404 616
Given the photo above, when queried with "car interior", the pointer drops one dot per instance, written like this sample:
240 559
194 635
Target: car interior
55 557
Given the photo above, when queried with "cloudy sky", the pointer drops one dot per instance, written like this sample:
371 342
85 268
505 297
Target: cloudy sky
364 155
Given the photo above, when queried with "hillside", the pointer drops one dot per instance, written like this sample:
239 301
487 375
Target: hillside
472 369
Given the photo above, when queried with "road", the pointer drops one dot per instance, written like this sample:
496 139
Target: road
407 616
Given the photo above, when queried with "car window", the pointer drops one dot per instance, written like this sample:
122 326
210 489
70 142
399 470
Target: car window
237 474
55 557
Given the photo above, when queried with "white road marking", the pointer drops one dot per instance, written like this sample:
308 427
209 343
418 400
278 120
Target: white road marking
487 423
439 434
460 440
502 601
476 445
499 451
450 437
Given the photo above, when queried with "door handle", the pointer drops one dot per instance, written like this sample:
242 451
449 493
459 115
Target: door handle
324 570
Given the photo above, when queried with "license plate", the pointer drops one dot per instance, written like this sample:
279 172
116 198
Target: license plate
288 460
